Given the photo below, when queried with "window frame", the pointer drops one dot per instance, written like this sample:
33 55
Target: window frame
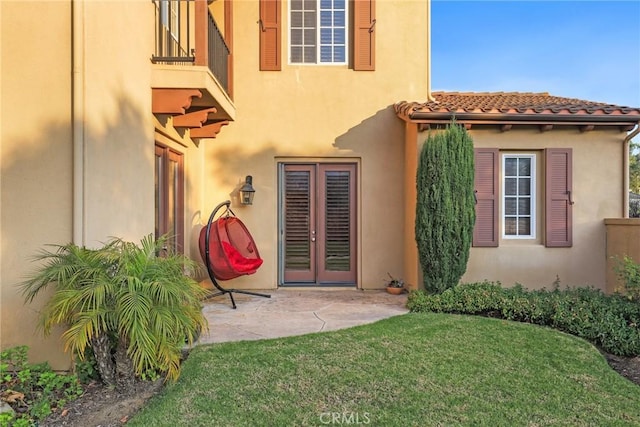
532 197
318 28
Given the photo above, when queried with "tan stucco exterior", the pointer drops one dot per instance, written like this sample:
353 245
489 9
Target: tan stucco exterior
77 145
36 158
623 240
78 132
78 136
529 262
323 113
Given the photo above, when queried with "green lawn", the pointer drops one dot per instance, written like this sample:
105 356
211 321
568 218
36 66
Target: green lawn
410 370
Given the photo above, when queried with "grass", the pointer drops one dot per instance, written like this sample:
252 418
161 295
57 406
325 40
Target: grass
411 370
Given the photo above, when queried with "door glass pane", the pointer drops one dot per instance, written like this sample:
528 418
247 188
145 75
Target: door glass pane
172 199
169 197
337 230
158 196
297 219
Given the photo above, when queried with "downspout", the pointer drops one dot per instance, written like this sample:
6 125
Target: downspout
78 115
429 96
625 180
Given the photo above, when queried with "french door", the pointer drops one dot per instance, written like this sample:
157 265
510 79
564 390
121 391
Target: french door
169 196
317 224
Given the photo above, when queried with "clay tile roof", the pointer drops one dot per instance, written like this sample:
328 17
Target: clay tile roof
515 105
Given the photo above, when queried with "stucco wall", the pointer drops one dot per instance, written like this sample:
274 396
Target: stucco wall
623 240
119 153
320 113
35 159
58 186
597 193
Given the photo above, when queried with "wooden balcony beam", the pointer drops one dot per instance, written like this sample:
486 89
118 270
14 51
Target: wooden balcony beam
208 131
172 101
193 119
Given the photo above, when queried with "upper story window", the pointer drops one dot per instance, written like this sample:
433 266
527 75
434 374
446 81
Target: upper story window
519 178
318 31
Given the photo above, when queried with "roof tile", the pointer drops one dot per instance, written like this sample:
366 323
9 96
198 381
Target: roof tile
514 103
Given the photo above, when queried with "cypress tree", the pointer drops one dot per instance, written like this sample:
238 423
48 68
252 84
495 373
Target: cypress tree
445 209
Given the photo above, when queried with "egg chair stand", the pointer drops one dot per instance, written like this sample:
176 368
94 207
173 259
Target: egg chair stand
228 251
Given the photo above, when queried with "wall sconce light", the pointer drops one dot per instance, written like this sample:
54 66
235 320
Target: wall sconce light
247 192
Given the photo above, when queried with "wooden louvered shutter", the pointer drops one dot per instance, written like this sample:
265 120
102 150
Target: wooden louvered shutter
270 35
485 232
364 35
559 212
336 225
299 211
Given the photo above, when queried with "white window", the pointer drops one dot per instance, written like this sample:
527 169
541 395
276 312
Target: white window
318 31
518 196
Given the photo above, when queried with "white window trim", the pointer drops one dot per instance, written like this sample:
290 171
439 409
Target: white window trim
347 29
533 196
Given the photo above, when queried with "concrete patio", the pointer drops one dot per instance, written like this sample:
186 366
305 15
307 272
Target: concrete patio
296 311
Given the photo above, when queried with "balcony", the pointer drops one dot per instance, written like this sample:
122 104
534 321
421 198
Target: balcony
192 68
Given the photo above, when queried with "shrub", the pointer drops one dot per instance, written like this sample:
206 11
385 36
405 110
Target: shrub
634 208
628 272
32 390
445 207
133 308
609 321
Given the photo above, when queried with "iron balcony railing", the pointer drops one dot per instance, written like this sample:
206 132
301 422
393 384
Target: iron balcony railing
218 54
186 33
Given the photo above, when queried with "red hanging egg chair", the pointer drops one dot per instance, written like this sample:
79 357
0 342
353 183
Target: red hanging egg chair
228 251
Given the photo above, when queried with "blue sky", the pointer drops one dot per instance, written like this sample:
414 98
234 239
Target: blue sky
578 49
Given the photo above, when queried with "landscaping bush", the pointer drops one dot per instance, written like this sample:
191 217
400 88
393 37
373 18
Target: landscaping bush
628 272
133 308
445 207
32 390
611 322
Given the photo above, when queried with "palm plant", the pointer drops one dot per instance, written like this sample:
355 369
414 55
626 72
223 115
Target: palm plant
135 309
